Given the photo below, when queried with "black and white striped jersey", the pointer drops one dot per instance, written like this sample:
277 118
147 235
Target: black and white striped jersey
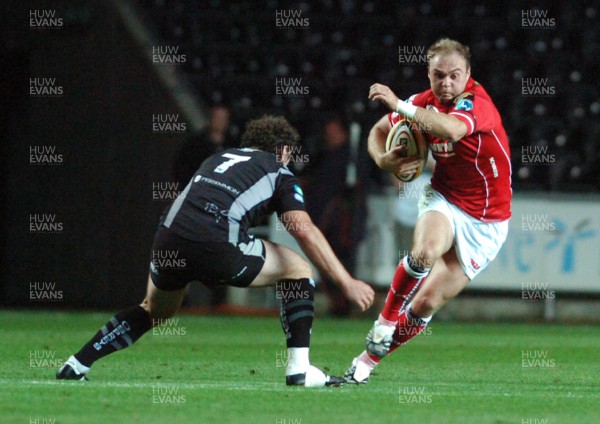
232 191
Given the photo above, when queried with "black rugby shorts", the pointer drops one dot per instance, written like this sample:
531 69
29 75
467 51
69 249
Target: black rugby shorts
177 261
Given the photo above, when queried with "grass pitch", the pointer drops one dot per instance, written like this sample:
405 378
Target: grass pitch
198 369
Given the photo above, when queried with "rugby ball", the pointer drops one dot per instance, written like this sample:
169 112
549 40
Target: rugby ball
406 133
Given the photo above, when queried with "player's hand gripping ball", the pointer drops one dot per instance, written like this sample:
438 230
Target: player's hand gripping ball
406 133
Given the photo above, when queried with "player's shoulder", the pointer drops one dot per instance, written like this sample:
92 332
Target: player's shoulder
477 90
247 151
423 98
268 161
474 93
257 155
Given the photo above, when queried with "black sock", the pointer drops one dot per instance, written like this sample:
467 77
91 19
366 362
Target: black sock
297 310
119 333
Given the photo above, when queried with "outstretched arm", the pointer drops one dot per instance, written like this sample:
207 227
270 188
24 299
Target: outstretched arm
439 124
314 244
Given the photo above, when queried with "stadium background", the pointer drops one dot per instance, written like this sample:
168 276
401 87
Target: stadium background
81 162
98 61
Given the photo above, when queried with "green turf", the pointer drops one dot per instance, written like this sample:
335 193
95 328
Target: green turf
228 370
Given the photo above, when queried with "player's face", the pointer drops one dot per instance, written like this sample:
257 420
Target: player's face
448 76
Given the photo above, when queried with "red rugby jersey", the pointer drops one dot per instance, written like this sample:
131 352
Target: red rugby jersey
473 173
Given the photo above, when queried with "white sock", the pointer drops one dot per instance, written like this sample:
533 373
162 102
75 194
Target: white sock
298 361
381 320
79 367
367 360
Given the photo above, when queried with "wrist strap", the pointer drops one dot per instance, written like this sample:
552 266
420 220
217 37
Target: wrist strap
406 109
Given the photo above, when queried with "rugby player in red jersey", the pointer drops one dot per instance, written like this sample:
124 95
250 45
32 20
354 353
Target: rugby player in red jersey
463 213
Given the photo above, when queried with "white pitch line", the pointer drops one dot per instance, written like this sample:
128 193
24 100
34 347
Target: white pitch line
149 385
280 387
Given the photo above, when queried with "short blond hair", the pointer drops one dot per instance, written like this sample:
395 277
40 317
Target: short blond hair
446 46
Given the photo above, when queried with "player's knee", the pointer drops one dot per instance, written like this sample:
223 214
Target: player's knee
426 304
301 269
145 305
157 313
426 254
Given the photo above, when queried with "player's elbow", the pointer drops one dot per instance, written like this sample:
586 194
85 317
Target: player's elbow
298 224
303 232
455 136
373 152
306 235
376 143
456 130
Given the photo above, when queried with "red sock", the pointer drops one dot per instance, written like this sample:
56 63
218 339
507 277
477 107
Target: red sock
405 284
409 326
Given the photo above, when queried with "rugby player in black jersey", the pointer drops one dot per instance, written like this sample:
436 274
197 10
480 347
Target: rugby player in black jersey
207 225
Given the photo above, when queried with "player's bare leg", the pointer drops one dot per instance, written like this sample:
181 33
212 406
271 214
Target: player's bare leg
432 238
280 262
445 281
161 304
122 330
294 285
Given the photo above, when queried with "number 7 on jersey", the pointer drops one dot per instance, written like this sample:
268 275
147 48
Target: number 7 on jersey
233 159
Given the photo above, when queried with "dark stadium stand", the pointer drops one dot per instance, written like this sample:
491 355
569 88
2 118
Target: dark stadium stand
236 53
